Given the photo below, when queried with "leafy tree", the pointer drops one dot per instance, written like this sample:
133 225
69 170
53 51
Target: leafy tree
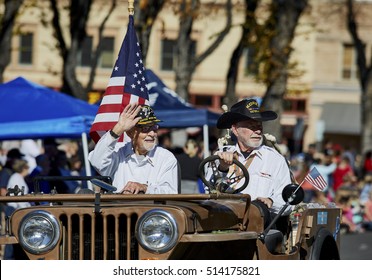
11 9
272 41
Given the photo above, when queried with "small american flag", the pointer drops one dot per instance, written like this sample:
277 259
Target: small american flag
127 85
316 179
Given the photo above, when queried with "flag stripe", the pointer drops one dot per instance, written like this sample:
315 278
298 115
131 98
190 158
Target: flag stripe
317 180
116 81
110 108
115 90
112 99
102 126
107 117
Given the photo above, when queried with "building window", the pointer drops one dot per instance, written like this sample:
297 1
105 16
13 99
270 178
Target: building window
295 105
25 48
85 55
206 101
251 67
107 54
349 66
203 100
168 54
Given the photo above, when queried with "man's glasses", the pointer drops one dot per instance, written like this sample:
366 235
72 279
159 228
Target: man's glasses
147 129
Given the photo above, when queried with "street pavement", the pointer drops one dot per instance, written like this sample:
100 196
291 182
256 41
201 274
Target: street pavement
356 246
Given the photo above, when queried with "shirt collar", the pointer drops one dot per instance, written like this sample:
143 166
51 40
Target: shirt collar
148 157
257 151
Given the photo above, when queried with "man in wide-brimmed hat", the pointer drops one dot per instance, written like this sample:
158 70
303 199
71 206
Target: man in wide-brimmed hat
268 170
140 166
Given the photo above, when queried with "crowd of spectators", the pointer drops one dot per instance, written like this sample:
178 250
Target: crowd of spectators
349 178
347 173
45 158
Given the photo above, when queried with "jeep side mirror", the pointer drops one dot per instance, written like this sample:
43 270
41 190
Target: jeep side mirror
293 194
103 185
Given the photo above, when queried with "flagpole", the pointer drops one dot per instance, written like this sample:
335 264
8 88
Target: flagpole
88 172
131 7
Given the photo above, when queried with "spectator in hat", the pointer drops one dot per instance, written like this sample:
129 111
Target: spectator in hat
268 170
141 165
7 170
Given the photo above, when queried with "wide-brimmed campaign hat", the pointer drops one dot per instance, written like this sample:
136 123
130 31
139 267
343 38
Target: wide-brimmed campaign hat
15 154
244 110
147 116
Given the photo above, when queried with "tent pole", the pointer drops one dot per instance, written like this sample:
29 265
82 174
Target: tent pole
206 140
88 172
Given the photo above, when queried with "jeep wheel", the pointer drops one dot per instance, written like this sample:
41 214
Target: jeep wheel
324 247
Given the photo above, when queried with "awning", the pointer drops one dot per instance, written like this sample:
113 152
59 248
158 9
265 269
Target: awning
342 118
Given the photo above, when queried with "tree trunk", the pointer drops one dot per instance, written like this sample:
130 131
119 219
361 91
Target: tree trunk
79 14
183 49
232 74
367 115
70 82
186 63
365 79
7 24
285 19
97 53
146 12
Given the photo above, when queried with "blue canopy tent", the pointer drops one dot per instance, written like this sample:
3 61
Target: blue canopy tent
29 110
175 112
32 111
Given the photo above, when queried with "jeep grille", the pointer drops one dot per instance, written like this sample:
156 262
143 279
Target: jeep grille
98 237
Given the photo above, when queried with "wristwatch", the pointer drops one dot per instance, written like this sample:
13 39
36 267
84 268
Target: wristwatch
114 135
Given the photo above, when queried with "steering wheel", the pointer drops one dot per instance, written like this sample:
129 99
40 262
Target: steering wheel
221 181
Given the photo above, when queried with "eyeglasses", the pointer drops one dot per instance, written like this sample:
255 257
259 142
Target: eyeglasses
147 129
252 125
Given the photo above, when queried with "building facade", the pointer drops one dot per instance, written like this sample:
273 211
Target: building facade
321 105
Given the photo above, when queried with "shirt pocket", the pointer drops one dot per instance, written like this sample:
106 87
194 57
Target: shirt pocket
264 180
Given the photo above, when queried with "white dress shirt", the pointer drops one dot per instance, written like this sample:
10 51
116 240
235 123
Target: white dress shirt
17 179
268 175
158 169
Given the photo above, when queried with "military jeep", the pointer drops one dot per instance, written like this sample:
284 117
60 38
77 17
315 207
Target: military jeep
221 224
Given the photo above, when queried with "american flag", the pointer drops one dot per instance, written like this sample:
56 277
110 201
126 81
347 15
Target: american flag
127 85
316 179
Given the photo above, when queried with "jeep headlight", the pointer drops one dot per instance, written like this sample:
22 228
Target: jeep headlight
39 232
157 231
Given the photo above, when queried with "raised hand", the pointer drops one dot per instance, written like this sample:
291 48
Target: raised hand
127 119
